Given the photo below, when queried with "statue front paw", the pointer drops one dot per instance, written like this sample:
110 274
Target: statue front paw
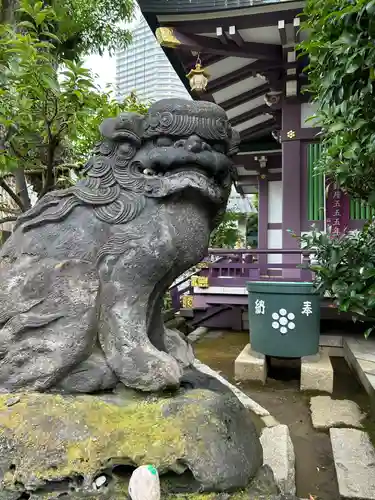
145 368
178 347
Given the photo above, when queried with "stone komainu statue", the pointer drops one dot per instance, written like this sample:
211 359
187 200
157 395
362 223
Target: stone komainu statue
83 276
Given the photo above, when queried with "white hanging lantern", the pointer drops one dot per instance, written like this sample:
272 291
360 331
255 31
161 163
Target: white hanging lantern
198 77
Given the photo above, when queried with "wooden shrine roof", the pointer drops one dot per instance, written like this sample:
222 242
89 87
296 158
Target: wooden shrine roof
245 51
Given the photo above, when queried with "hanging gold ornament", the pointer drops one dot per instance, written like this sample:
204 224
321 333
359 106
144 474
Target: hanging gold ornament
198 77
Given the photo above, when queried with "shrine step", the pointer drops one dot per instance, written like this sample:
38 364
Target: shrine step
354 458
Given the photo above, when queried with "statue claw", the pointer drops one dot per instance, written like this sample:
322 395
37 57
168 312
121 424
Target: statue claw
147 369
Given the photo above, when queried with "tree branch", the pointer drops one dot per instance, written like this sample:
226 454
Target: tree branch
6 209
49 121
11 193
8 219
21 187
50 178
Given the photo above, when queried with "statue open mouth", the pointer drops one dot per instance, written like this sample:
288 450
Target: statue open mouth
190 163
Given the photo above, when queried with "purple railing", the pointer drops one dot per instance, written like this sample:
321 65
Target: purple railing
179 289
234 268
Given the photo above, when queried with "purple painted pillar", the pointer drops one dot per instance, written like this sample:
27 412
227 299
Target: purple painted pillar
291 182
262 222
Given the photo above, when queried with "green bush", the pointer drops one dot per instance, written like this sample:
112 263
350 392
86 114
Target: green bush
227 233
344 268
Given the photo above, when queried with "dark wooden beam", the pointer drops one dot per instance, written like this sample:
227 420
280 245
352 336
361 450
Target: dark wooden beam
240 74
203 97
260 134
246 96
249 115
173 38
221 35
303 134
245 160
189 60
248 162
249 50
263 144
262 128
235 36
282 32
261 20
245 180
249 180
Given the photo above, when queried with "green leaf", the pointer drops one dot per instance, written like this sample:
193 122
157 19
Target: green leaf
358 124
40 18
370 7
50 82
368 332
352 68
27 24
336 127
51 35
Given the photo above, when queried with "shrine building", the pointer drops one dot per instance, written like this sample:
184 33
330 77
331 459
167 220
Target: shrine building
249 50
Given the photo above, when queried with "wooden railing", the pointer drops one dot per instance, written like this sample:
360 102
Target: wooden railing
246 265
177 290
234 268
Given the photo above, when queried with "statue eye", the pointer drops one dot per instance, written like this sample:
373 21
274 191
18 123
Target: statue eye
164 141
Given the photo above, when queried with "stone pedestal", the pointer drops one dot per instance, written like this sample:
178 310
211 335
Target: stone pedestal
250 365
52 444
317 372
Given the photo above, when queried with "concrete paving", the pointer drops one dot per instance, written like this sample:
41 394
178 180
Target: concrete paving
278 453
248 403
197 334
354 458
327 412
270 421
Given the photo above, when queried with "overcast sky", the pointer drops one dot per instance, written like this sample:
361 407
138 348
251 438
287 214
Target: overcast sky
104 67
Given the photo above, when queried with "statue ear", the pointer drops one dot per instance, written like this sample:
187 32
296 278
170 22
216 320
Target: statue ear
125 126
234 144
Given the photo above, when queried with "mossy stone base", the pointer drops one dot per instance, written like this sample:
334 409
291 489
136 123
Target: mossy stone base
53 444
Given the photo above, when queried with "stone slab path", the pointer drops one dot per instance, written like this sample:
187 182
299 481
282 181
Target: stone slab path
278 454
327 412
354 458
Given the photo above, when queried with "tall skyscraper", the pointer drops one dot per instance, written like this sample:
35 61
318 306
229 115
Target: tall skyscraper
144 68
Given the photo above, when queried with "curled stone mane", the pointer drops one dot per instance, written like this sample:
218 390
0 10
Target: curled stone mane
183 118
112 186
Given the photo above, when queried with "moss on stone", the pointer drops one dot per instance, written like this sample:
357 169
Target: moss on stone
55 437
192 496
240 495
